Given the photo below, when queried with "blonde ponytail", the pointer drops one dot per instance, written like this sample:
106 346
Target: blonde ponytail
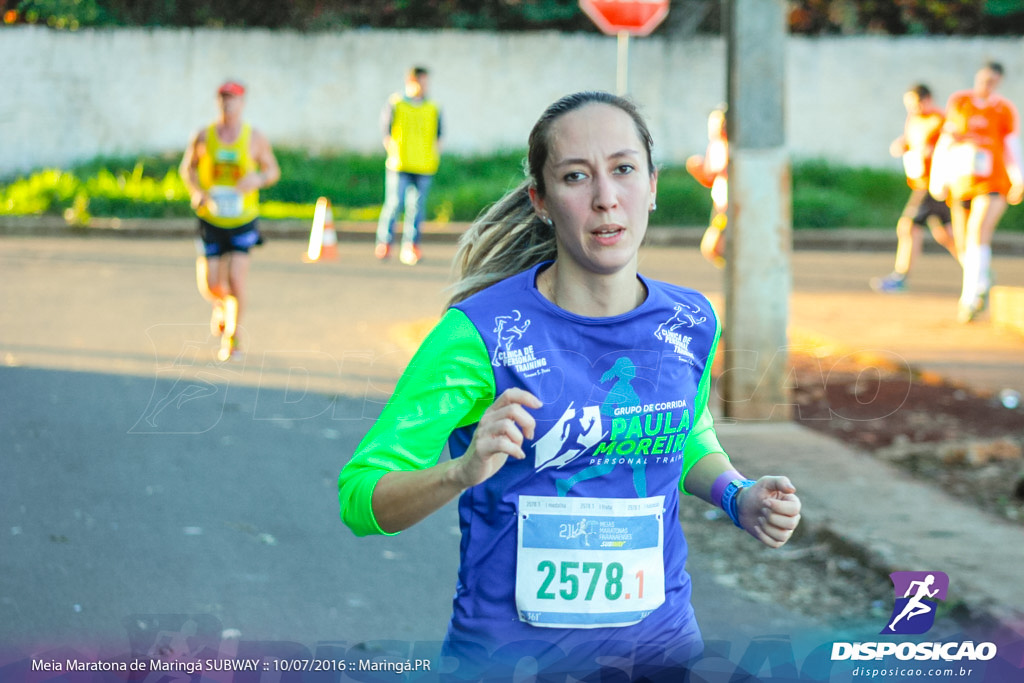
506 239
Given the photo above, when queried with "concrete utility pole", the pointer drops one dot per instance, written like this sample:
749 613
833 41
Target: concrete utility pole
759 239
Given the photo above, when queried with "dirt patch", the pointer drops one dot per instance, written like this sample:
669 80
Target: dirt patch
968 443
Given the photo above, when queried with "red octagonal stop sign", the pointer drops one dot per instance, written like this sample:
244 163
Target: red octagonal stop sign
636 17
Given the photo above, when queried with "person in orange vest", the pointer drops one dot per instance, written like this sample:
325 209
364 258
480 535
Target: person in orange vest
411 126
224 167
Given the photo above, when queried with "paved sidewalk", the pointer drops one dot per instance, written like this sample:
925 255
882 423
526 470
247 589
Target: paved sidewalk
891 520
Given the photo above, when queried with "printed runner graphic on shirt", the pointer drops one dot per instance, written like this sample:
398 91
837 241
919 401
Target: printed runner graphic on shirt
684 316
510 330
622 393
620 431
574 433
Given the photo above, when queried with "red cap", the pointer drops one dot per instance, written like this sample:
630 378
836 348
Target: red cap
231 88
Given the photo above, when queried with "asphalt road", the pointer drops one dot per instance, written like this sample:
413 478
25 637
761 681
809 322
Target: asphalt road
149 491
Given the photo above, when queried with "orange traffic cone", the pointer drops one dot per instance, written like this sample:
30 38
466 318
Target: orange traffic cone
323 240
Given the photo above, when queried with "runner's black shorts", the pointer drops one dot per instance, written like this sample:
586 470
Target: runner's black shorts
922 205
966 203
220 241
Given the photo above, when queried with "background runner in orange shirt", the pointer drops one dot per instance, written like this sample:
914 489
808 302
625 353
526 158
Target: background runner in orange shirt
920 133
978 157
710 170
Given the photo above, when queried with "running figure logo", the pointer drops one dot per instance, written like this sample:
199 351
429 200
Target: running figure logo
581 530
505 326
685 316
577 437
574 433
622 393
917 595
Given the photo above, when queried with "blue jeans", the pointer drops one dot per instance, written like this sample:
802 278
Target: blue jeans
401 189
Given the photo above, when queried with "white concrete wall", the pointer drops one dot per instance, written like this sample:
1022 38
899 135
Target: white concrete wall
71 96
844 95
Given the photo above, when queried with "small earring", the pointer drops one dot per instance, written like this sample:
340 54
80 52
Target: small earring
546 220
654 205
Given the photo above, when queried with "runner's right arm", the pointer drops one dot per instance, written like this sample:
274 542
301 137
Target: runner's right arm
403 498
189 168
394 479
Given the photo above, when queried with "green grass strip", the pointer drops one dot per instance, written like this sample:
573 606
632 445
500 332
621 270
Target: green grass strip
825 195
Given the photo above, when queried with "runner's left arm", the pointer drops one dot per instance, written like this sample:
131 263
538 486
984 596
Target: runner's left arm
1012 152
702 440
769 510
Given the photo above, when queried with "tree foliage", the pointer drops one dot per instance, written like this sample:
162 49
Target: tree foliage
907 17
812 17
308 15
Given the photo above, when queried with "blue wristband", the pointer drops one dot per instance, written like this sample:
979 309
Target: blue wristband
730 498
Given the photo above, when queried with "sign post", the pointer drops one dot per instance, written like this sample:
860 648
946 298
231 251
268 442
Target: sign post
625 18
758 273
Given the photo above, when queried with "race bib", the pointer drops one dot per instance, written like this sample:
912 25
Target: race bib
589 562
913 164
720 193
226 202
970 160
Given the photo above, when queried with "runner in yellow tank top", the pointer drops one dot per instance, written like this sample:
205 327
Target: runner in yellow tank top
224 167
220 170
